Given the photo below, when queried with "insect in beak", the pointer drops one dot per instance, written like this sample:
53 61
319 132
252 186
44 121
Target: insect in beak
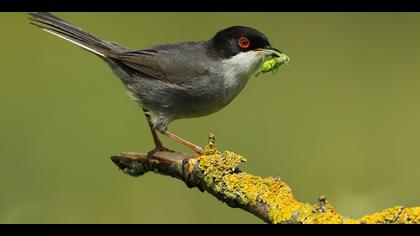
272 59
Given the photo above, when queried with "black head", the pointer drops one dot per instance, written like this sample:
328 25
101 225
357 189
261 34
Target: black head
233 40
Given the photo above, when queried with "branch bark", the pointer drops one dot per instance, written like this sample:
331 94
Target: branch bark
270 198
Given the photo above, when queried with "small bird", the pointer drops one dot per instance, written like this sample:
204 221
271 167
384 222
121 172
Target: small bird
175 81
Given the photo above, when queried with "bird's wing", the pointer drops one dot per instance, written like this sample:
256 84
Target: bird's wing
143 61
181 64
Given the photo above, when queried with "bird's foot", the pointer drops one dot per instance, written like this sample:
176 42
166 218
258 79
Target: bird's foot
194 156
158 149
199 151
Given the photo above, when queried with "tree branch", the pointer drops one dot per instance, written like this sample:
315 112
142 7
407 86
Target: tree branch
267 198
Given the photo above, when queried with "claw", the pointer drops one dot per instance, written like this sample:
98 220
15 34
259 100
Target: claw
158 149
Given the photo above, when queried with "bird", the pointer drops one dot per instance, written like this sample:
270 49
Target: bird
178 80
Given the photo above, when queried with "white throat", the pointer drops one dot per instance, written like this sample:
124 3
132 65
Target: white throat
239 68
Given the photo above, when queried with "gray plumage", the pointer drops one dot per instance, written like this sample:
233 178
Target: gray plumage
158 78
175 81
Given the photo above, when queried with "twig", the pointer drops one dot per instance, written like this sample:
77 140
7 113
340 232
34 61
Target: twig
267 198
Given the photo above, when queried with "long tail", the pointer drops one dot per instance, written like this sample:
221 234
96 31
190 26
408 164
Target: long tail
71 33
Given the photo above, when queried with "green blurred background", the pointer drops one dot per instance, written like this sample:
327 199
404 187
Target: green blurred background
344 121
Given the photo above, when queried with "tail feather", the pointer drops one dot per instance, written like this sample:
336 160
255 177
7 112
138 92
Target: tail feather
69 32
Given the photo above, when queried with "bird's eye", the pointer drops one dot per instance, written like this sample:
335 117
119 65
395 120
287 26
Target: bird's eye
243 42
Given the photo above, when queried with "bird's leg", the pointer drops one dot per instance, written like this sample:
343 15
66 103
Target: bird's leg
173 136
158 144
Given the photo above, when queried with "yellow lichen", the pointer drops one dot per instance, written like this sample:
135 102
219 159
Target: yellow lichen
395 215
219 171
323 215
410 216
221 174
351 221
217 165
385 216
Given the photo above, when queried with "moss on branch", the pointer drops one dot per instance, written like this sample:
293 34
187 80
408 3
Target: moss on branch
270 199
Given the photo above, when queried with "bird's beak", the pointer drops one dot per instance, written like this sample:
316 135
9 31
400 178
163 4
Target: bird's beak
273 49
270 51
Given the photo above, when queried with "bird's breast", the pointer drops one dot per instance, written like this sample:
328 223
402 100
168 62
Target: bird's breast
224 82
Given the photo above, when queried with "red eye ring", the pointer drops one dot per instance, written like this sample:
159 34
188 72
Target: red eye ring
243 42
